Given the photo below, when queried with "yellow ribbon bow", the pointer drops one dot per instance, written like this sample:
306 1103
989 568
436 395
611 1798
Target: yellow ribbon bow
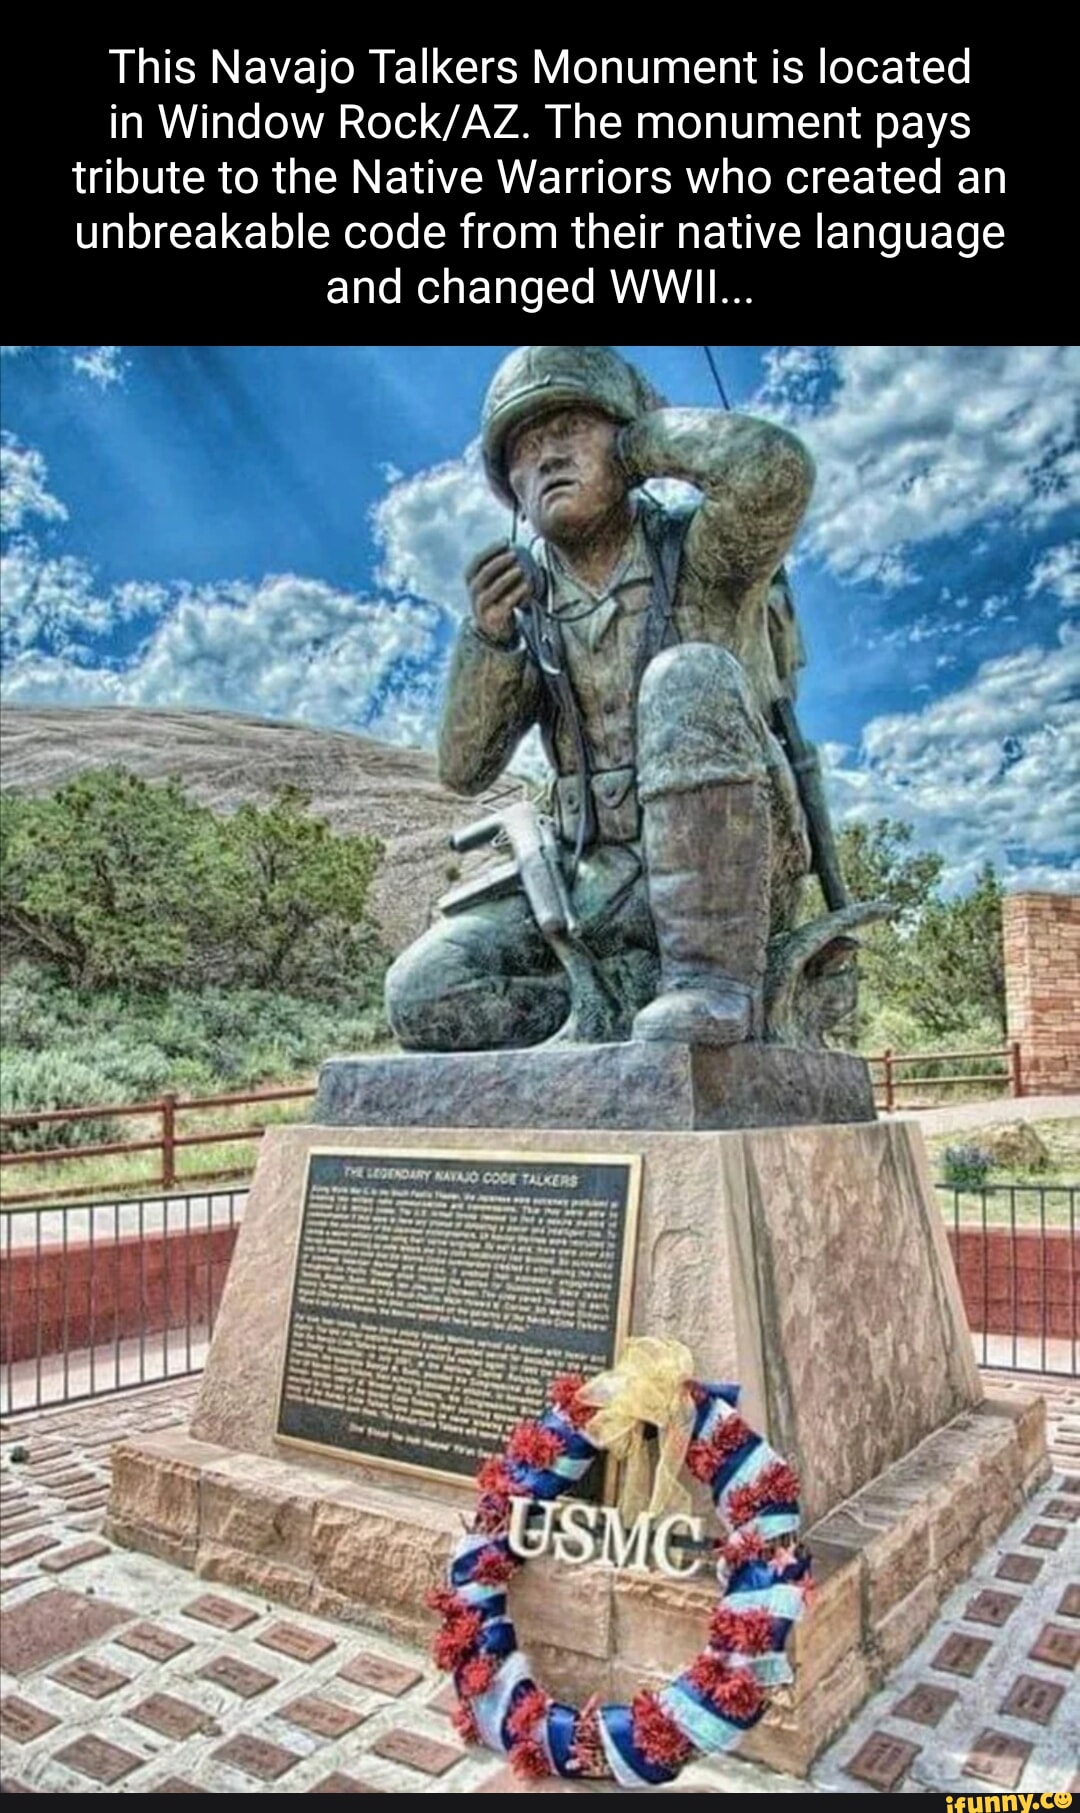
647 1385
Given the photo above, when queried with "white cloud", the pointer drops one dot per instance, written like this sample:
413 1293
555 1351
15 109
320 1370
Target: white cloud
916 442
1058 571
287 647
53 602
988 772
23 473
430 525
103 365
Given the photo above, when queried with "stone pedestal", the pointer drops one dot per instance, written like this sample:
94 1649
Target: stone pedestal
311 1536
659 1088
807 1262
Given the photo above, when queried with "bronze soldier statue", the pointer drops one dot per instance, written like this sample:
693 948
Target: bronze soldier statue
656 650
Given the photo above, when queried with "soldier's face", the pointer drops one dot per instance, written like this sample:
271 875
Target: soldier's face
564 473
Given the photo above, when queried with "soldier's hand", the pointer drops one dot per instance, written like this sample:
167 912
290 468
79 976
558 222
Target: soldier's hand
498 584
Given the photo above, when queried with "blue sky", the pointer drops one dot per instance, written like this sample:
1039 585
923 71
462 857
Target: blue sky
280 531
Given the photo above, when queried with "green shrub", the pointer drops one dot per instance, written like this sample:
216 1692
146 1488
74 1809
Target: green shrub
52 1079
965 1167
66 1047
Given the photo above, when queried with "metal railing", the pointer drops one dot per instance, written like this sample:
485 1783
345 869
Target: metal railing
1016 1249
96 1298
99 1297
889 1070
168 1141
1007 1077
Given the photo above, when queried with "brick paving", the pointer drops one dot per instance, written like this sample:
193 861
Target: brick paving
120 1676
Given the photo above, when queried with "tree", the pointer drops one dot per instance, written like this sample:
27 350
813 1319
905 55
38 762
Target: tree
876 865
955 978
110 880
938 962
113 881
302 907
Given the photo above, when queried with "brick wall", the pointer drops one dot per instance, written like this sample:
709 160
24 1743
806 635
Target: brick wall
1042 988
56 1298
1019 1281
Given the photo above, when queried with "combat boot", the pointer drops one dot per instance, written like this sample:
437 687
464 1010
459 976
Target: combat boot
708 859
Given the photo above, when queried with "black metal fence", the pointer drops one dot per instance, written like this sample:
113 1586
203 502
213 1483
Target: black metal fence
97 1298
1016 1248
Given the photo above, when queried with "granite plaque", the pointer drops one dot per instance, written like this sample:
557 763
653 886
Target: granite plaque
436 1295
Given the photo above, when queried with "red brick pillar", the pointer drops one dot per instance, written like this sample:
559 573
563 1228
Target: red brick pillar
1042 988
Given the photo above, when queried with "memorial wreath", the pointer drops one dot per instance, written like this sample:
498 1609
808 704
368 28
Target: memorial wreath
762 1572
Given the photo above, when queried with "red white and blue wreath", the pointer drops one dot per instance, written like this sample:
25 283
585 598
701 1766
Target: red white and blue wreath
764 1586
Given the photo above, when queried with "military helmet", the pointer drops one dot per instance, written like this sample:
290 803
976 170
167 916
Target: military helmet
536 380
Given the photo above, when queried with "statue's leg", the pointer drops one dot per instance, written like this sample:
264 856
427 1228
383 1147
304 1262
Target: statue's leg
476 981
706 783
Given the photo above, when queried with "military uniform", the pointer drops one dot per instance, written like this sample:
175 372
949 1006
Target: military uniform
671 731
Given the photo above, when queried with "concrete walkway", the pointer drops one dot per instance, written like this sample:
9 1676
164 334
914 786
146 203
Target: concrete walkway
987 1114
125 1674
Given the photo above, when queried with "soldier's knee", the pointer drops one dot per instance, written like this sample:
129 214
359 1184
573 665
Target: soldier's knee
406 994
679 676
697 720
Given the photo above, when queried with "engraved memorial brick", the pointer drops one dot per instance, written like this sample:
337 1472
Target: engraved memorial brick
1069 1603
417 1751
74 1485
1034 1699
25 1520
446 1700
73 1557
1056 1645
21 1720
1068 1508
53 1624
155 1641
92 1678
1021 1568
925 1704
326 1718
291 1640
172 1717
381 1674
224 1614
997 1758
1044 1536
960 1655
92 1501
100 1760
883 1761
337 1783
990 1607
237 1676
256 1756
27 1547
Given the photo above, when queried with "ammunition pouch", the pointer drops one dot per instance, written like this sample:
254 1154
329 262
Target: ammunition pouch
616 808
